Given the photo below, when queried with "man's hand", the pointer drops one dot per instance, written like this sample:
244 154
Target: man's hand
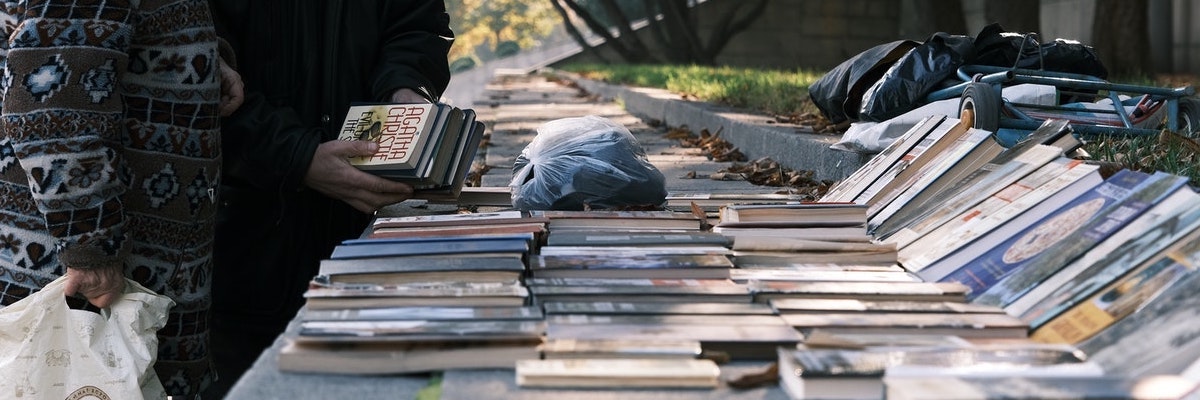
101 286
407 95
331 174
232 89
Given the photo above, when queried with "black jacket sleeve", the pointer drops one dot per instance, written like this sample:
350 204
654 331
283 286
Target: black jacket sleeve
416 40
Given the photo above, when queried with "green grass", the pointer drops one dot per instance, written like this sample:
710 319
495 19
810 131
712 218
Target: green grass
785 93
775 92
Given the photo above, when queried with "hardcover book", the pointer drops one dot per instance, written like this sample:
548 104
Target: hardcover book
561 237
739 342
442 294
663 266
1020 248
766 291
796 306
1119 299
389 358
859 374
850 188
1060 179
639 308
418 331
455 219
399 270
793 215
609 219
966 325
1037 387
424 313
984 232
455 245
403 132
618 373
619 348
1164 224
1032 272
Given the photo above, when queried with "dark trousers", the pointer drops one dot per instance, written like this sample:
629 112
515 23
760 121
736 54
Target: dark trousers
237 341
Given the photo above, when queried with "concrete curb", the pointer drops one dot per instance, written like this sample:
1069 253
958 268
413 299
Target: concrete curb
756 136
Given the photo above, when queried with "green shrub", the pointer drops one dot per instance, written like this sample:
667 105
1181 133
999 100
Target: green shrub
507 48
462 64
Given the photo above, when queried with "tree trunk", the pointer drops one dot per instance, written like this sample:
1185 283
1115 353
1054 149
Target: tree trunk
922 18
1121 37
575 34
1021 16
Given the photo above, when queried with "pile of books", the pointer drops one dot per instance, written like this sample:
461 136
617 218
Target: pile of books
428 145
420 302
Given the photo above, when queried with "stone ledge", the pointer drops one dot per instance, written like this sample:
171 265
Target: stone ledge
756 136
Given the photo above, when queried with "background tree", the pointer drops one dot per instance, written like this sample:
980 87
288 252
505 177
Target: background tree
1121 37
1015 15
922 18
673 28
480 23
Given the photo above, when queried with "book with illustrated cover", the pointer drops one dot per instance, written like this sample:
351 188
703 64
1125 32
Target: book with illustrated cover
1106 387
404 132
427 145
663 266
1051 260
1022 247
1121 297
984 232
1053 184
1143 238
806 373
618 373
1162 336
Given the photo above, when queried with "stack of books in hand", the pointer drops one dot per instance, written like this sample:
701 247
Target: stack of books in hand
428 145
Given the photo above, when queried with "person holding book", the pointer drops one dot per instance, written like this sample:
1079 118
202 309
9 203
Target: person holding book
289 193
104 178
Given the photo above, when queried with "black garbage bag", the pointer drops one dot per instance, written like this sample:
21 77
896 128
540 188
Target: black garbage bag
585 161
838 94
995 47
921 71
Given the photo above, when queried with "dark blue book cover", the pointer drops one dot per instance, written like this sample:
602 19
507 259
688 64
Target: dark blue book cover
1018 250
391 247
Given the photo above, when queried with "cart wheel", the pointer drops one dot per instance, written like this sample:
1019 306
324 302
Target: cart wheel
1189 117
984 103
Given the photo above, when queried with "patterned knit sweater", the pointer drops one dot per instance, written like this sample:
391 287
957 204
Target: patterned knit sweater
110 154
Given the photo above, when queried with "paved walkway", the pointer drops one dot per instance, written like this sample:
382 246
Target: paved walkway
514 105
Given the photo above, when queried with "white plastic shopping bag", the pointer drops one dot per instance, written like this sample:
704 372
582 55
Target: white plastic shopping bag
49 351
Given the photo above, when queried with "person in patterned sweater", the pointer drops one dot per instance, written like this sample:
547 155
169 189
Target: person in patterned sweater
110 156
